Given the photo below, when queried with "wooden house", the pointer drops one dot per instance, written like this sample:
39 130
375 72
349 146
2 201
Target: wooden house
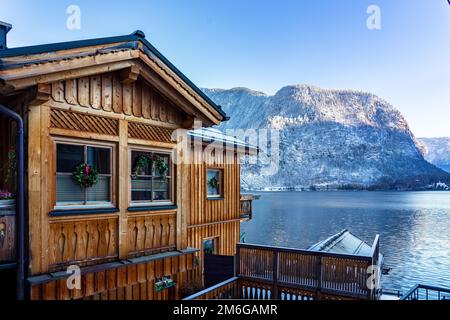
100 188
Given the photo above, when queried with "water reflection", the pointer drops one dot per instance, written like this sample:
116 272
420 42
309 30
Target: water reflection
414 228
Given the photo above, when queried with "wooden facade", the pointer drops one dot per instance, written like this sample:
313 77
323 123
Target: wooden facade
121 96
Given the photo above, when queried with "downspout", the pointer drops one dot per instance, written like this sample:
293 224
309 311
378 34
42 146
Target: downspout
20 283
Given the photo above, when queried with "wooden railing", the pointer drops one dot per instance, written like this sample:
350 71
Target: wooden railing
319 275
246 206
223 291
272 273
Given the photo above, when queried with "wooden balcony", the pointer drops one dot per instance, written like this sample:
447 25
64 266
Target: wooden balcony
271 273
246 206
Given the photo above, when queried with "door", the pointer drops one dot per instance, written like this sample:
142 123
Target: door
216 268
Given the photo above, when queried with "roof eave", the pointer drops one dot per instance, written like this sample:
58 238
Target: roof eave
135 36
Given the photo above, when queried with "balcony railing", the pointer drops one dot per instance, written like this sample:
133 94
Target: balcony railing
272 273
246 206
423 292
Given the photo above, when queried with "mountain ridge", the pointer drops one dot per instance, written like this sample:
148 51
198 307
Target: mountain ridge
437 151
330 137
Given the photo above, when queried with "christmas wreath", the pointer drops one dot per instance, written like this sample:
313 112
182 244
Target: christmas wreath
85 175
213 183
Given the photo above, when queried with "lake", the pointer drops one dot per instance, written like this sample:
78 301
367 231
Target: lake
414 228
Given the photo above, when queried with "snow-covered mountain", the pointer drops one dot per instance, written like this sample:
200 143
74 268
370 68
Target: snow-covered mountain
329 138
437 151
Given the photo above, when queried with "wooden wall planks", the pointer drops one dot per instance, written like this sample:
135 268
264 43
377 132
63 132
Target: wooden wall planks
151 233
106 92
204 210
129 282
82 242
214 218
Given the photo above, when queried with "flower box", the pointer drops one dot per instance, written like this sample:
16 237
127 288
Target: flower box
7 200
7 204
164 283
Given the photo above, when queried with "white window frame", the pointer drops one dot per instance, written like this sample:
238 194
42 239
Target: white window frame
171 177
85 144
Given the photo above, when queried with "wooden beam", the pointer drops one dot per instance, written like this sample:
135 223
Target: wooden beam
129 75
175 96
40 94
149 143
83 135
67 65
188 123
185 90
62 75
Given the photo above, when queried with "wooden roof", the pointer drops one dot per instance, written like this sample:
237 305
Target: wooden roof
25 67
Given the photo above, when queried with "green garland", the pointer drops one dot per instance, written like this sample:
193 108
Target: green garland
143 161
85 175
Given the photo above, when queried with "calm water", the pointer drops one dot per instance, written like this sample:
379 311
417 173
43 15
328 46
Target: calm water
414 228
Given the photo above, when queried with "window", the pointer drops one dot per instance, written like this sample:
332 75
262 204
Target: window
214 183
68 157
210 246
151 177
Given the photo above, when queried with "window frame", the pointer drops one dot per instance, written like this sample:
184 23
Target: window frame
151 203
221 194
67 206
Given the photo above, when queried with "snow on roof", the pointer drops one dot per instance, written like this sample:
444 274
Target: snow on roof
214 135
343 242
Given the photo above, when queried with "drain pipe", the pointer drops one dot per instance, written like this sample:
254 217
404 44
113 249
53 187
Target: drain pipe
20 283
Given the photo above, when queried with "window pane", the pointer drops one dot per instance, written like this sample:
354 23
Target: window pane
101 191
164 157
68 191
213 183
209 246
161 189
141 189
68 157
100 158
137 160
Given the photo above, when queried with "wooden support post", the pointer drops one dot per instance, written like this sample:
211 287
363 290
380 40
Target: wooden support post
275 274
237 267
34 187
183 198
123 188
47 181
319 278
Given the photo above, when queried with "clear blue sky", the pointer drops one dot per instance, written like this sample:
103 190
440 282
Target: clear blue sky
265 45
